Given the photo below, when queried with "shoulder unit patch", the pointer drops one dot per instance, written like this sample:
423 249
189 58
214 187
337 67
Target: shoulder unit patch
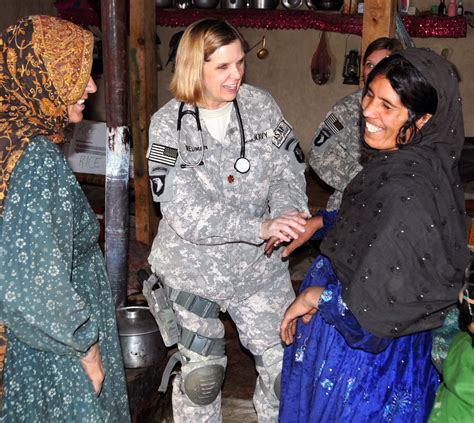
281 132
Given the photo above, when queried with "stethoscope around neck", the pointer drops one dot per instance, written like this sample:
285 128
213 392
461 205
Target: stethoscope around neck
241 165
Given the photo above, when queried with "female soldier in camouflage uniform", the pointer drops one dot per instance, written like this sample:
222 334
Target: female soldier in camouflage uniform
217 213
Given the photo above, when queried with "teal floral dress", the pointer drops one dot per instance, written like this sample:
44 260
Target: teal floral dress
55 298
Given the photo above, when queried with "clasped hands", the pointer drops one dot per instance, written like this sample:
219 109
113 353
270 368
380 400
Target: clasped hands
292 227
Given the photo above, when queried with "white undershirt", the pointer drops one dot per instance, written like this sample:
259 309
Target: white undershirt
217 120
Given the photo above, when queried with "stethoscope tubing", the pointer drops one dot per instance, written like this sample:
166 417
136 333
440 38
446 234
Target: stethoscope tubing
242 164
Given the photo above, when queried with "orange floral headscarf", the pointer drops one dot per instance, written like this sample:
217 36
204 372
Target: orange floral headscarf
45 64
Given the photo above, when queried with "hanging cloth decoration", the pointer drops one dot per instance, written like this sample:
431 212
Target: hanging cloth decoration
321 62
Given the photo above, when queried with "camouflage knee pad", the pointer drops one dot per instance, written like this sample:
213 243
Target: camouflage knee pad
202 380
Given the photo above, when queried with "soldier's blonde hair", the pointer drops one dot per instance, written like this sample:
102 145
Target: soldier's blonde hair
198 43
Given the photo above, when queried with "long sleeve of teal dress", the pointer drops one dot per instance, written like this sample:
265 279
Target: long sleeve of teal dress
38 300
55 297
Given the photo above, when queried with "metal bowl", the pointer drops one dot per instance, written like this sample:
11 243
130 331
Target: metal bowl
233 4
264 4
292 4
164 4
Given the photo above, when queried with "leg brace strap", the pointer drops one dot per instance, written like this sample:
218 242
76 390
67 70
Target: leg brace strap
194 303
202 344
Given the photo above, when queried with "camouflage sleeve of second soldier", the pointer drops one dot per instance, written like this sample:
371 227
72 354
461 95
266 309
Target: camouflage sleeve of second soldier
335 148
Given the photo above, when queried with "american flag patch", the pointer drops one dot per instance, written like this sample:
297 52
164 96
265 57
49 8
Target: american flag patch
162 154
333 124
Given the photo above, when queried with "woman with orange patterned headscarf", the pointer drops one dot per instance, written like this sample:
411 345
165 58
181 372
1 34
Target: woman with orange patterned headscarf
62 358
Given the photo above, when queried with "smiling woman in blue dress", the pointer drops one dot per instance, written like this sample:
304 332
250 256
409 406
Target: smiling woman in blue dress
391 265
63 360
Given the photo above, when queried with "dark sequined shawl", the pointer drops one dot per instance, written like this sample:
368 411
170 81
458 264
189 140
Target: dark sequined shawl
399 244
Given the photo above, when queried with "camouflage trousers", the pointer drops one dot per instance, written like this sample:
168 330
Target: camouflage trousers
257 319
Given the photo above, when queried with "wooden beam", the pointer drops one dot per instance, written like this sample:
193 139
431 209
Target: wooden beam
143 103
378 20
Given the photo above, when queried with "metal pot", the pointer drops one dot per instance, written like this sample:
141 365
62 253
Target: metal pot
291 4
324 4
264 4
140 338
233 4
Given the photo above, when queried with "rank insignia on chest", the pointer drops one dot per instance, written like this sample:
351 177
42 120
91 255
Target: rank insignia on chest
163 154
281 132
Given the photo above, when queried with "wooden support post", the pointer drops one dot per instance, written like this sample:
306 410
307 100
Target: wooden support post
143 103
378 21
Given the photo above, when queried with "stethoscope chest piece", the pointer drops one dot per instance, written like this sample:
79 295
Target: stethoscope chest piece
242 165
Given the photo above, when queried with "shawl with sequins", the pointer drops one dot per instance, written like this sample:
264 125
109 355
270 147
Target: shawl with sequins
45 64
399 243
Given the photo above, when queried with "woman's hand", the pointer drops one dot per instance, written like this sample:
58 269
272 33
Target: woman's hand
285 227
313 224
270 245
92 365
305 306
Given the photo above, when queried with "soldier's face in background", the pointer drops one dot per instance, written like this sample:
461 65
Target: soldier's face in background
222 75
373 59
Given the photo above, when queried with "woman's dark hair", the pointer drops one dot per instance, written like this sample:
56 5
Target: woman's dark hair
383 43
415 92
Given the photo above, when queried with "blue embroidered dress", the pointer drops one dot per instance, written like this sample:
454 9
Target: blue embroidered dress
336 371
